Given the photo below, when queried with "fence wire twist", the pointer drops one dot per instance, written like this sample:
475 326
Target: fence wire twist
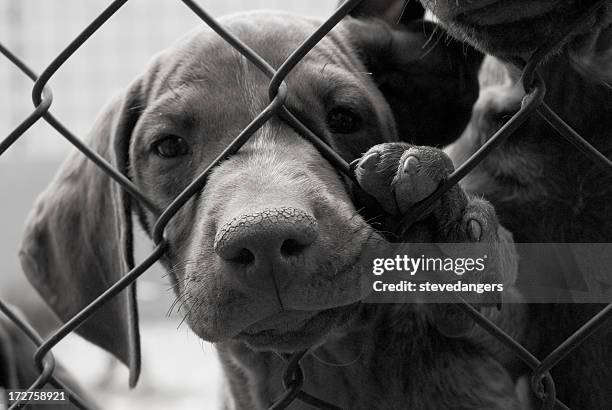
293 378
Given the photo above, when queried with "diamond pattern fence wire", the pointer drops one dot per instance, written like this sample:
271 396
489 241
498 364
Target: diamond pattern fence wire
293 377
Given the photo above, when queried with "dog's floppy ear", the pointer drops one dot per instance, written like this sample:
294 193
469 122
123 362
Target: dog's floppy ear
429 79
78 238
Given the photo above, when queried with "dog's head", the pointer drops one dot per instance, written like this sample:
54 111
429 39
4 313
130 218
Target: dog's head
267 252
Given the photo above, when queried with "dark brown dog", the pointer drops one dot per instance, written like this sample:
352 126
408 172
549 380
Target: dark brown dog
542 189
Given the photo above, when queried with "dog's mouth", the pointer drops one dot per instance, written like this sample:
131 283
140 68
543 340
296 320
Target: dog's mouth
291 313
506 12
510 28
293 330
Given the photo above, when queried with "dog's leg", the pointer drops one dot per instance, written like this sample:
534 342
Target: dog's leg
399 175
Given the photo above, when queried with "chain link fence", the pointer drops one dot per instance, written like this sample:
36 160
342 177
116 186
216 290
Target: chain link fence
293 378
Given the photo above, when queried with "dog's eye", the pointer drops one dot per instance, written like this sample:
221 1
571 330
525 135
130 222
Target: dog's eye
171 146
342 120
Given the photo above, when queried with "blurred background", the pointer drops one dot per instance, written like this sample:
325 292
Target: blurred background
179 370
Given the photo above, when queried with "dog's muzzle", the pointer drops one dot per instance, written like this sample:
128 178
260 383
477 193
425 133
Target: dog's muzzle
270 240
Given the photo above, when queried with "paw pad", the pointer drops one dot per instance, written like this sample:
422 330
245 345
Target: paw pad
411 165
370 161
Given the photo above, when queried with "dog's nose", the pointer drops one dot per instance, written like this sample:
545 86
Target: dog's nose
266 238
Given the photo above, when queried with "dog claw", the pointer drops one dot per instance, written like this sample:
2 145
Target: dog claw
370 161
411 165
474 230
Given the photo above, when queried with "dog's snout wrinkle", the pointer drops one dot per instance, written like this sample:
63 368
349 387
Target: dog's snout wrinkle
267 236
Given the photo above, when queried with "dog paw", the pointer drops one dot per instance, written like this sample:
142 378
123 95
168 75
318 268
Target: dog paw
399 175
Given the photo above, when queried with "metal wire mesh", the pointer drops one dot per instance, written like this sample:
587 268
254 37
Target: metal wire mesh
293 377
